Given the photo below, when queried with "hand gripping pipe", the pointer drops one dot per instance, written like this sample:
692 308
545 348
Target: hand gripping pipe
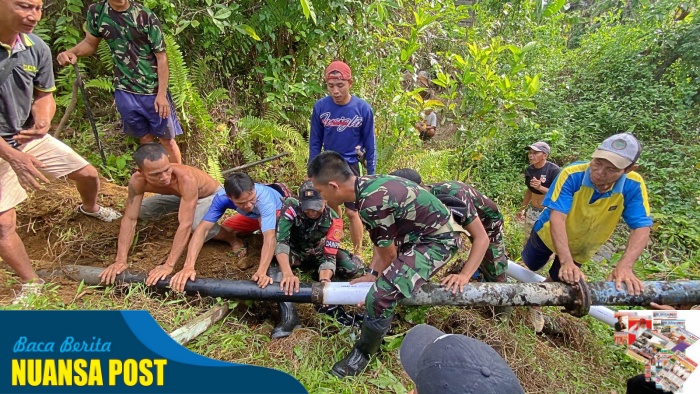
577 298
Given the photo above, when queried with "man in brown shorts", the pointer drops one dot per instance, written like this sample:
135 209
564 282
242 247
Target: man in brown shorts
29 157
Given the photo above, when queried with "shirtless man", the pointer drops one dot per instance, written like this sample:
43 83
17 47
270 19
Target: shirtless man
186 189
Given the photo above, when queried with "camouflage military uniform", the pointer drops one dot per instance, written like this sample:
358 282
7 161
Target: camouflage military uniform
314 242
133 36
399 212
481 207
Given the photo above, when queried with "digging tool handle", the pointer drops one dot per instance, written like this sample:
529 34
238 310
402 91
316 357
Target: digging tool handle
361 159
88 110
255 163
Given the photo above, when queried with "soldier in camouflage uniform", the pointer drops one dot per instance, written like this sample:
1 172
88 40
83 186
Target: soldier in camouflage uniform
486 234
309 233
308 236
413 234
135 40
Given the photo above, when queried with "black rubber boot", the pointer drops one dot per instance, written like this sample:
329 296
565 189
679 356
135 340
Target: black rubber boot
289 320
373 331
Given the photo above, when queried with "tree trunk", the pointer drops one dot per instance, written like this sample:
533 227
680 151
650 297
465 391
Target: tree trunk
69 110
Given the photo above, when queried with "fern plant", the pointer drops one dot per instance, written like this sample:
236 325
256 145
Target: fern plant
259 137
202 134
102 83
202 73
179 82
214 169
105 55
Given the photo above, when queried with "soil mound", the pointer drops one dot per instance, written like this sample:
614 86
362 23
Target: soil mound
56 234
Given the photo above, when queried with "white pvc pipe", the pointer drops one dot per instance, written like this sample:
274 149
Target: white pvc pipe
522 274
343 293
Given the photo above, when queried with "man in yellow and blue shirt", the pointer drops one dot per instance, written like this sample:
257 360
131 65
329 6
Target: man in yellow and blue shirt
583 208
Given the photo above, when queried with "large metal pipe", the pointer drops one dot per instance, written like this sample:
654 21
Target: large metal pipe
685 292
576 298
606 315
234 289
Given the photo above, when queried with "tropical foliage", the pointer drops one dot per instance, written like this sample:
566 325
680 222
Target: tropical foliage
503 74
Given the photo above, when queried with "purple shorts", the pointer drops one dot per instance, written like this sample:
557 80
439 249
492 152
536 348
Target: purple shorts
140 117
536 254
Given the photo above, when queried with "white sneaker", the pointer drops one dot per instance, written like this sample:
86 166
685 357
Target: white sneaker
29 292
105 214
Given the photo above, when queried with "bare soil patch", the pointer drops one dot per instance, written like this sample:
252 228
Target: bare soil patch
56 234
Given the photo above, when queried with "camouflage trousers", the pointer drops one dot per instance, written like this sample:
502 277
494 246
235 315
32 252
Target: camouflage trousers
413 266
495 262
346 266
531 216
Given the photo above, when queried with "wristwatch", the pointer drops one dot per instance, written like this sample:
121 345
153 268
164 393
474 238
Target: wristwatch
374 272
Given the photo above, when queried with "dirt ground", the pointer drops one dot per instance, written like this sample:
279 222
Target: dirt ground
55 235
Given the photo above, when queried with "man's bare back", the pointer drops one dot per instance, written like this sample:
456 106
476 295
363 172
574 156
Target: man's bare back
160 176
206 185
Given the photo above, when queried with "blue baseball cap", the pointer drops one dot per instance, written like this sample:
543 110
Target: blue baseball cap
454 364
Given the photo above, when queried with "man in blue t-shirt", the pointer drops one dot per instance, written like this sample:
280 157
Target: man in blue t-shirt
344 123
257 208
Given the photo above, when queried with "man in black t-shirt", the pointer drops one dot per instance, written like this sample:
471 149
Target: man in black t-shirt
539 175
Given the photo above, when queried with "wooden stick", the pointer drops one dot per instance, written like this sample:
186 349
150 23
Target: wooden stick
255 163
191 330
71 106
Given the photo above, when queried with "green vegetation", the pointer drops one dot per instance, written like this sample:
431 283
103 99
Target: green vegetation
245 74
